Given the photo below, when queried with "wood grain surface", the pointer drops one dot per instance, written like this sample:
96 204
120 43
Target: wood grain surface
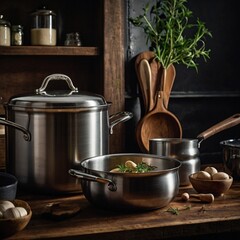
194 218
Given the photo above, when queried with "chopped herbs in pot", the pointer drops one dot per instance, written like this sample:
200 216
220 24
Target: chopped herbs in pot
132 167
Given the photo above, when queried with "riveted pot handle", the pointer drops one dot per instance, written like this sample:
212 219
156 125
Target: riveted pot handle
118 118
56 76
75 173
26 133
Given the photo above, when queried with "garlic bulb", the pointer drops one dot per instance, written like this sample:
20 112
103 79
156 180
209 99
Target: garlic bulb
16 212
4 205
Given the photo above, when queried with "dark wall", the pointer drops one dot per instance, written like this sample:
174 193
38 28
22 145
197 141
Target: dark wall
199 100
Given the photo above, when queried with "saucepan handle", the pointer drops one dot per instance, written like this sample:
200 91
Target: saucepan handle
79 174
223 125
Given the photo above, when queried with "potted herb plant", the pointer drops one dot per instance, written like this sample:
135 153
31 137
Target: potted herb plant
173 38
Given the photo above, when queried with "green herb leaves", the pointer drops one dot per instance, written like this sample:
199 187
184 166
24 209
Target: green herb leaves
176 210
138 168
171 35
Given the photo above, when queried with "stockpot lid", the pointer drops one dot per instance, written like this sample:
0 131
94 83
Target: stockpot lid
70 99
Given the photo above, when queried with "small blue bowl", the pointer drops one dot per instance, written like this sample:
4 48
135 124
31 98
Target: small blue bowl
8 186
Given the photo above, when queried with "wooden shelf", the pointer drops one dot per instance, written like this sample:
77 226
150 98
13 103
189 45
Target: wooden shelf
52 51
98 66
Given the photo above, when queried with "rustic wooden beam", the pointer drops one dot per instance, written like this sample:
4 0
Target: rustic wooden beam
113 65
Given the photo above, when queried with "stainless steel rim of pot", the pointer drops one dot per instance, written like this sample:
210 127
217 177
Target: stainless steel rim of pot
111 185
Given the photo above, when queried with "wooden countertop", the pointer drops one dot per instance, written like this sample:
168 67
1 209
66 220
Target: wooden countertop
220 217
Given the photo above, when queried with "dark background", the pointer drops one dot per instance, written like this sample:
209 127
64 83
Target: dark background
199 100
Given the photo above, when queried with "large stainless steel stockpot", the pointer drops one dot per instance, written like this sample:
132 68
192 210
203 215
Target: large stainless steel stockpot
61 128
128 191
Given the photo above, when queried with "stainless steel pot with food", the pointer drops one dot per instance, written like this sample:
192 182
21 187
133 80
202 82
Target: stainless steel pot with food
61 128
231 157
187 150
107 188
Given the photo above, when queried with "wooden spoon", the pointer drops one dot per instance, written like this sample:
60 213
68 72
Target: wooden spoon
147 75
140 70
145 80
159 123
169 74
156 75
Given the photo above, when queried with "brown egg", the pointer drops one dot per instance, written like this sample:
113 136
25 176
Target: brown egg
203 175
220 176
211 170
195 175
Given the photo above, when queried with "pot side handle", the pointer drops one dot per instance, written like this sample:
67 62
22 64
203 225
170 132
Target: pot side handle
75 173
26 133
118 118
223 125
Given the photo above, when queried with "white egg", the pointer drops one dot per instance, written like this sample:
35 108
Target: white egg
16 212
4 205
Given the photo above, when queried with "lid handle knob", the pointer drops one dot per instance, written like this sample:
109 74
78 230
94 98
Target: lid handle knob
56 76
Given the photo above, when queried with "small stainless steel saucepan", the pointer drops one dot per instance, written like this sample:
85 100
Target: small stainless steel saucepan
187 150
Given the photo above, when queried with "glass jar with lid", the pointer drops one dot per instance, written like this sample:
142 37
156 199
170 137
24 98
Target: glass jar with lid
5 32
43 29
17 35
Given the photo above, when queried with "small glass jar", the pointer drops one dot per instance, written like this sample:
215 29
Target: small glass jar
72 39
43 29
5 32
17 35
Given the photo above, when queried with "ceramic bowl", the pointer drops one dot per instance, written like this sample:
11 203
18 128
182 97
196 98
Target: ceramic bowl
8 186
11 226
216 187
